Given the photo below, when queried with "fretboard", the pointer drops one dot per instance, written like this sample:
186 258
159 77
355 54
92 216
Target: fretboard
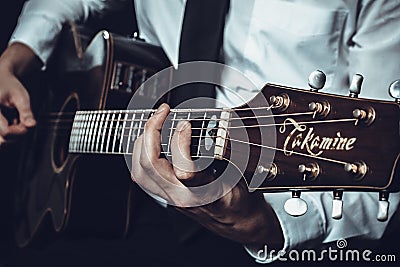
115 131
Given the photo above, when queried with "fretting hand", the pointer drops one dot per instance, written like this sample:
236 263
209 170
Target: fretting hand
239 215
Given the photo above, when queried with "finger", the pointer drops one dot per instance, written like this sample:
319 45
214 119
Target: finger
180 149
3 126
152 181
20 100
2 140
8 131
151 147
139 176
156 167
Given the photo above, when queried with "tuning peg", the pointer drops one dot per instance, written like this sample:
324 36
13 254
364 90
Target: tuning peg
295 206
383 206
367 116
355 86
337 204
394 90
271 171
357 169
310 170
316 80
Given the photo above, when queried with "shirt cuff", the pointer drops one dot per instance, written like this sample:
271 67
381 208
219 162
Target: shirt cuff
297 231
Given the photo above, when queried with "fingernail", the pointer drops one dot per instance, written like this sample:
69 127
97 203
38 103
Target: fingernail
29 121
182 125
161 108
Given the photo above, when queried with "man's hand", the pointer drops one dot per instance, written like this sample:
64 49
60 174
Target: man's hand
16 60
239 215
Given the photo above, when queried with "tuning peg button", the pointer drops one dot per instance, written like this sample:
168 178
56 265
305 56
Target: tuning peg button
383 206
295 206
337 205
316 80
355 86
394 90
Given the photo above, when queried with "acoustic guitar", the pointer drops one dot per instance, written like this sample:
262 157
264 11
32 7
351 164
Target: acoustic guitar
284 139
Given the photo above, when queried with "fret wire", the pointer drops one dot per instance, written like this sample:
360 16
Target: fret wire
92 118
201 132
78 132
85 125
85 140
170 134
140 125
79 138
95 131
74 134
123 133
85 131
100 132
188 117
104 132
109 133
81 142
130 133
72 137
90 132
116 130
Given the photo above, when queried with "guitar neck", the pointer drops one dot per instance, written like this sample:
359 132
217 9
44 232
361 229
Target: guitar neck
115 131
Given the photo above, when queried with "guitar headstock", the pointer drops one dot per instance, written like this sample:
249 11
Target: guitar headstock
328 142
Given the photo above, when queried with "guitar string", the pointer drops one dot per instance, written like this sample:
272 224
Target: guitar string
150 111
194 119
83 143
114 128
55 123
154 110
168 153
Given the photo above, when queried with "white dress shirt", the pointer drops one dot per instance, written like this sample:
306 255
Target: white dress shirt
275 41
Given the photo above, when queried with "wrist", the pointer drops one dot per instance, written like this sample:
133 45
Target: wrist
19 59
266 228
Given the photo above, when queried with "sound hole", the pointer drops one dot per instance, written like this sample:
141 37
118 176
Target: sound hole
62 123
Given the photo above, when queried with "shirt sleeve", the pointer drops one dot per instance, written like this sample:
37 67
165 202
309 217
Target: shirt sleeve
41 21
317 228
375 47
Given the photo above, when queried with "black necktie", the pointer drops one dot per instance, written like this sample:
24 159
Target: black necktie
201 40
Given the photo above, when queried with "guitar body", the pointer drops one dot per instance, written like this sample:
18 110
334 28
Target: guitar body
80 194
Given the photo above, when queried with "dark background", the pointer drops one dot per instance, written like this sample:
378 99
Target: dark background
8 156
121 22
